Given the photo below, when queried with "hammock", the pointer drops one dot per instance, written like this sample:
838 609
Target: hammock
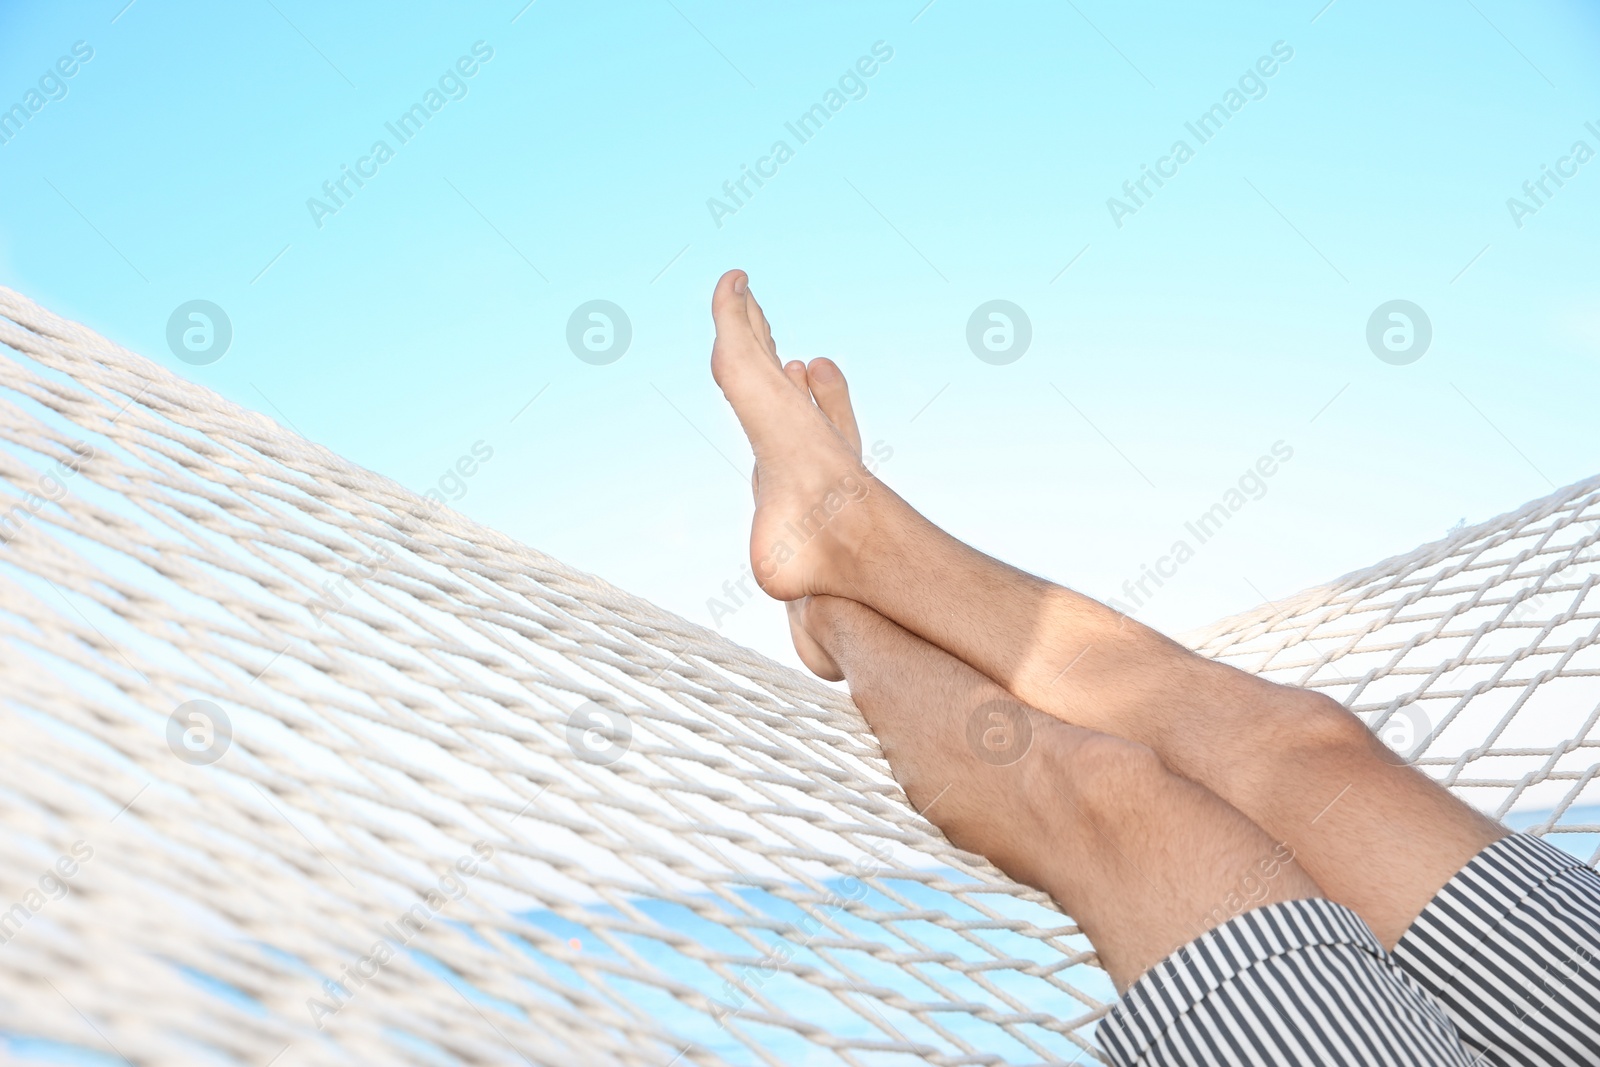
301 768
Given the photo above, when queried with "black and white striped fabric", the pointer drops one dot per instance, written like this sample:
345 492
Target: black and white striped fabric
1511 948
1298 982
1501 968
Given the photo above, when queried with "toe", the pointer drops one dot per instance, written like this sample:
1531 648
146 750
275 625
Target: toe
730 309
795 371
832 394
758 324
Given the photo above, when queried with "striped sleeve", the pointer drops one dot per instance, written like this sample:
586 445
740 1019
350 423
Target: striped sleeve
1296 982
1511 948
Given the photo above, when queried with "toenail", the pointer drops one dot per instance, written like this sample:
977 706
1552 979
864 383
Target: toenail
740 284
825 372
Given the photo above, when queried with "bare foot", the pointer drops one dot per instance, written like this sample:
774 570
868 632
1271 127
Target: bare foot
825 382
810 483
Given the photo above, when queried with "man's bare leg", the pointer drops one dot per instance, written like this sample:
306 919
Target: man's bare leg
1377 836
1144 860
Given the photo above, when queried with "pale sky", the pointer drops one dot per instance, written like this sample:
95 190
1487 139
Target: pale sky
1226 316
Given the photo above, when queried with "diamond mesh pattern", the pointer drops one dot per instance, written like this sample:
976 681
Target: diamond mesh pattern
449 800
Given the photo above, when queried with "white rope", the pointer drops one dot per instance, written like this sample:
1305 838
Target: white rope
1475 655
737 880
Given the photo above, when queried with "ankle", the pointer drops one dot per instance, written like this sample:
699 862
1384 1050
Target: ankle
831 622
862 543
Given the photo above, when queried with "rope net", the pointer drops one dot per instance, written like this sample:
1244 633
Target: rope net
302 768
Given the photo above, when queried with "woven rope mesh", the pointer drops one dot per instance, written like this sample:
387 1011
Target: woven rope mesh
1474 657
447 800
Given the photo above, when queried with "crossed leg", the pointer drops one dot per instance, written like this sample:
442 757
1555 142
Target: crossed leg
1220 944
1156 859
1373 834
1153 859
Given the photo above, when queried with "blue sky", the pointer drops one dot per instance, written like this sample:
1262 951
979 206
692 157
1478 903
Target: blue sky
1227 315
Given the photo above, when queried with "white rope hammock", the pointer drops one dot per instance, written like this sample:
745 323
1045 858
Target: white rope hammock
472 806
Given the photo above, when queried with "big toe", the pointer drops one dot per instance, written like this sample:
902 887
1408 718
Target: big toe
740 360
